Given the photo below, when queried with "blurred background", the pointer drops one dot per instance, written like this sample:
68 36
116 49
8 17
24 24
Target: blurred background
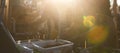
86 23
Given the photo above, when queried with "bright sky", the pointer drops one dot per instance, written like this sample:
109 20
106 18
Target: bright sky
118 2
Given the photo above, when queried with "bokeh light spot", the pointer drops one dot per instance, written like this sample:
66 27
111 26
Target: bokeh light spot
98 34
89 21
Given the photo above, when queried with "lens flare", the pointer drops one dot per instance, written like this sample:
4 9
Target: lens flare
98 34
89 21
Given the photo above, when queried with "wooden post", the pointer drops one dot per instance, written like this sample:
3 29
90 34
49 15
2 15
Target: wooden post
6 13
114 10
